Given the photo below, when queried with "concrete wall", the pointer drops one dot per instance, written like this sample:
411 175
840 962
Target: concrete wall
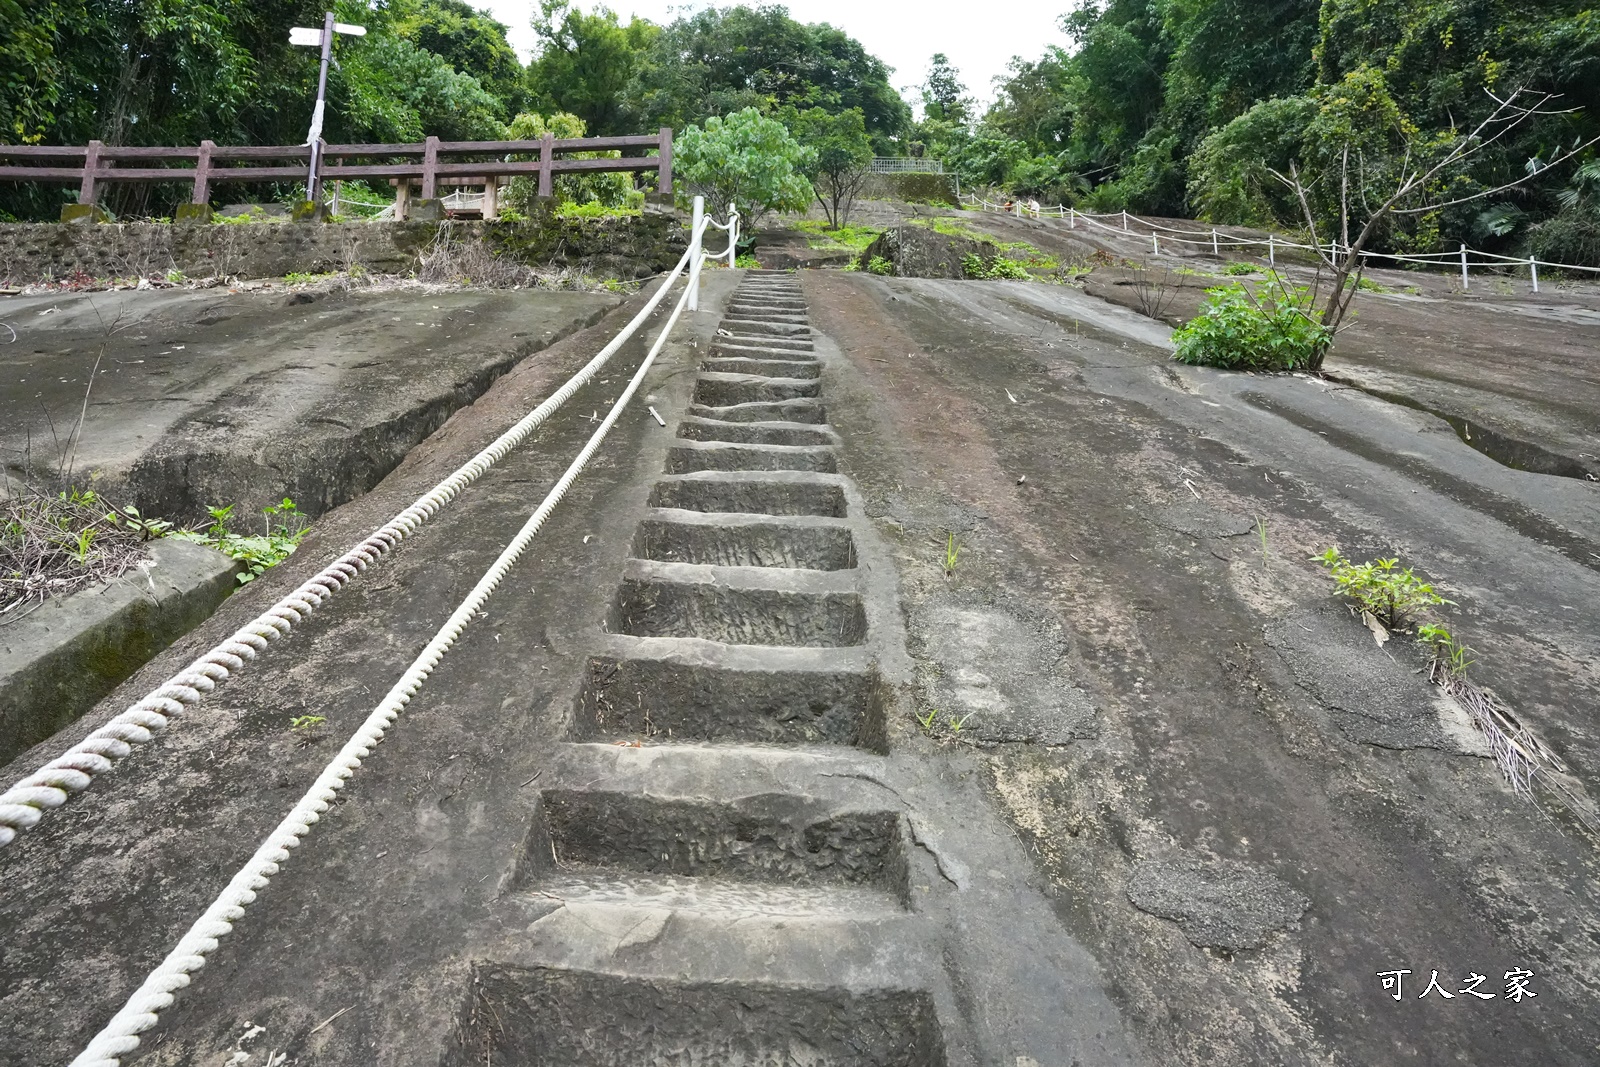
629 247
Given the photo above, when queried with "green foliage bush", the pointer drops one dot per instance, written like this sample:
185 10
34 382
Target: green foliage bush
271 547
1270 327
879 265
605 190
999 268
745 159
1573 236
1393 596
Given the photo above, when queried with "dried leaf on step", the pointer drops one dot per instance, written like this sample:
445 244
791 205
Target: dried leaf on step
1379 634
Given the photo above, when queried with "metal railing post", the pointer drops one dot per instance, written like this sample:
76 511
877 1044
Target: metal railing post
1533 266
1155 243
1214 250
1463 267
733 234
696 228
1124 220
1272 250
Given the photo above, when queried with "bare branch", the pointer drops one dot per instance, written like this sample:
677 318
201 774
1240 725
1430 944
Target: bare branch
1497 189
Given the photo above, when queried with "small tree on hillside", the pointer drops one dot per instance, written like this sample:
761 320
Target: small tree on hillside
745 159
841 156
1368 165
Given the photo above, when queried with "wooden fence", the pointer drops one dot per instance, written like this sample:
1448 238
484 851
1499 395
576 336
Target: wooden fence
212 164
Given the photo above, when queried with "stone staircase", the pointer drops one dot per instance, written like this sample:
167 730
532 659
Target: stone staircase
716 875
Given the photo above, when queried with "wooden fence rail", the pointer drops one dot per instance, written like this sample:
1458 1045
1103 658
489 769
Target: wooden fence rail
212 164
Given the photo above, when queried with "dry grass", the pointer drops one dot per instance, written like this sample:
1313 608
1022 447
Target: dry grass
55 545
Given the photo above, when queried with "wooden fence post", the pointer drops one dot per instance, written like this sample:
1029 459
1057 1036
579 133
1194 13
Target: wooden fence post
491 198
430 161
91 163
402 198
664 175
547 158
202 174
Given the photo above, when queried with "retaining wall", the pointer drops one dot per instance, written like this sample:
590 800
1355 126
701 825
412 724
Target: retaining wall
627 247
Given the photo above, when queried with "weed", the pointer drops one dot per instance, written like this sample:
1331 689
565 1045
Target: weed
956 724
257 552
1153 294
176 277
852 238
594 209
747 261
306 722
1272 328
927 720
1240 269
1002 267
1390 594
879 265
54 545
952 555
300 278
128 518
1449 654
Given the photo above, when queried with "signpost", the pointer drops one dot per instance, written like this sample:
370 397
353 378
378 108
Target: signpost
302 35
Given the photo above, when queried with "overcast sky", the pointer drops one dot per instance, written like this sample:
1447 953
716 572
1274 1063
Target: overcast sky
902 34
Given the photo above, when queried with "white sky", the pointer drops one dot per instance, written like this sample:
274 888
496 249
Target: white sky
902 34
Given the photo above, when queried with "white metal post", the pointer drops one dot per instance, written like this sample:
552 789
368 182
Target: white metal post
1533 266
1272 250
1463 266
315 139
697 227
1214 251
1124 219
733 234
1155 243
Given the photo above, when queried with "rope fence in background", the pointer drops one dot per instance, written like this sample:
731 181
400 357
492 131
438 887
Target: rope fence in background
1217 240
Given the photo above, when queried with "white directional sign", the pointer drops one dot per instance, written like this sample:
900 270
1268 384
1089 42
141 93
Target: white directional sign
313 37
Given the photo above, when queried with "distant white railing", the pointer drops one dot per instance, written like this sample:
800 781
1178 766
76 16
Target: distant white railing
904 165
1217 240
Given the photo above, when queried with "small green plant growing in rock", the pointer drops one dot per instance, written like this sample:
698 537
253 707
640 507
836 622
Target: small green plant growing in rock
256 552
952 555
1240 269
176 277
129 518
927 720
1271 327
303 278
1390 594
307 722
747 261
879 265
1449 653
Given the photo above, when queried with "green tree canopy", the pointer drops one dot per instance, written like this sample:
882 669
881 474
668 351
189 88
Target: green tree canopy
586 63
746 159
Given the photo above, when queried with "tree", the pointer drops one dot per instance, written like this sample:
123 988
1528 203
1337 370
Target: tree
944 97
719 61
841 156
745 159
1373 166
470 41
586 63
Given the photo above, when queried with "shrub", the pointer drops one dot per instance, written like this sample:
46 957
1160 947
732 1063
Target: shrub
1273 328
1572 237
1391 595
257 552
972 264
879 265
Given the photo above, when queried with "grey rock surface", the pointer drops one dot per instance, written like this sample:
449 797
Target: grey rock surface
1218 903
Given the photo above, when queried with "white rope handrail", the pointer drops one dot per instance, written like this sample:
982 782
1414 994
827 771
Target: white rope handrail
52 785
141 1011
